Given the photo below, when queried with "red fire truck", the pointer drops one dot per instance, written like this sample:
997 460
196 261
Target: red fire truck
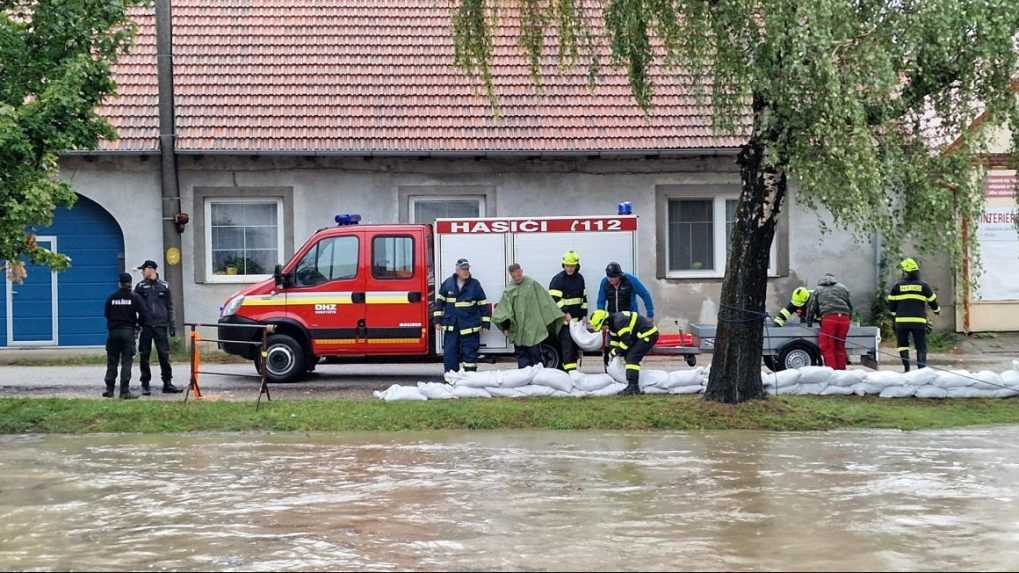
362 292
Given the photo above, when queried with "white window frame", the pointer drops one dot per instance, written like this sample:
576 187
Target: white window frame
413 200
719 242
212 277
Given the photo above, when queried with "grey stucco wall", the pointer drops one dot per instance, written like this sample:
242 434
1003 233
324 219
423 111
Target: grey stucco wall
323 187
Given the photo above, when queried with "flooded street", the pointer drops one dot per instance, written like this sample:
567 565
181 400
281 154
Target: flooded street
859 500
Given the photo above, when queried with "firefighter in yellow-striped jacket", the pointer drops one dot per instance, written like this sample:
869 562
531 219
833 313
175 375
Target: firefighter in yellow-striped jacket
631 336
570 293
908 302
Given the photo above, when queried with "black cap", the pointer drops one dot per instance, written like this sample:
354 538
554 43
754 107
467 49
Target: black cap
463 264
148 264
613 270
125 278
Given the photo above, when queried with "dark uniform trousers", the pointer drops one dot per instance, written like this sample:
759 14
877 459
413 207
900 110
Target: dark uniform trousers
527 355
569 349
161 336
919 334
635 354
456 346
119 349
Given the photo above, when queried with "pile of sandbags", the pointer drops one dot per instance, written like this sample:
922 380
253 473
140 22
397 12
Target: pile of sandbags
809 380
539 381
920 383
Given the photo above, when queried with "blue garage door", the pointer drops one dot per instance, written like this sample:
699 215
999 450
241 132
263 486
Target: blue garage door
92 238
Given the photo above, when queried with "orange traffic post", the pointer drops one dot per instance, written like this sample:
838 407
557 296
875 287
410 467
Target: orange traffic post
196 362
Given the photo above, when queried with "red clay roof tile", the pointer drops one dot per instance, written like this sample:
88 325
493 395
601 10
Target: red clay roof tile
377 76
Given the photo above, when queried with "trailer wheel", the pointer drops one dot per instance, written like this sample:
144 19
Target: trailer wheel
691 360
797 354
550 355
286 360
771 363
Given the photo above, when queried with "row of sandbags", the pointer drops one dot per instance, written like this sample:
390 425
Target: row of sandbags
539 381
809 380
921 383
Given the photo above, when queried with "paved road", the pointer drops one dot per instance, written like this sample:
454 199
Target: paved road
330 381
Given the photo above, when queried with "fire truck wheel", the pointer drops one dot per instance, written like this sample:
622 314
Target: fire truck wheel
285 361
549 355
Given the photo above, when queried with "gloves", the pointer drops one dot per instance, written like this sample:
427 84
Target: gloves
929 327
173 331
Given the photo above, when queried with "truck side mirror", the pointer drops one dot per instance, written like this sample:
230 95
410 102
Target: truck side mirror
277 275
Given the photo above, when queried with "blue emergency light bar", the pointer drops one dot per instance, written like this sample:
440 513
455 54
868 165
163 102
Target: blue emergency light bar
625 208
347 219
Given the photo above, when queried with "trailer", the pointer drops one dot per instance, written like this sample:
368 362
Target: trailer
795 345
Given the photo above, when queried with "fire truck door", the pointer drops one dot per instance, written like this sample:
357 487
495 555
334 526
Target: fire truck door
396 294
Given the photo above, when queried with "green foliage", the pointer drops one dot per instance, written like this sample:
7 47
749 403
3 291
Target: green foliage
943 341
55 58
856 95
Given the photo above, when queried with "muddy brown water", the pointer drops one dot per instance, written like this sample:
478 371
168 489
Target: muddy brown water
854 500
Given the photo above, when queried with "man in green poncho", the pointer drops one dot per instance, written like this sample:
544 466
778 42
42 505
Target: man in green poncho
526 314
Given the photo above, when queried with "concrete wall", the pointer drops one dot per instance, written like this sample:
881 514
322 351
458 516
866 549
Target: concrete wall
323 187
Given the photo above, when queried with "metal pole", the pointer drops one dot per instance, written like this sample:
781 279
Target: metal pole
169 184
264 355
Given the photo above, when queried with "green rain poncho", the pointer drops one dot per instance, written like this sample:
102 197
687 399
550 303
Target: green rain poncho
530 312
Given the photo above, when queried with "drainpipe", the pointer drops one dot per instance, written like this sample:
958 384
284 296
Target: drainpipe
169 185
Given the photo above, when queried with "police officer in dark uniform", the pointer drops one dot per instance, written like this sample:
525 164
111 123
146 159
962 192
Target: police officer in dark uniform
155 294
125 312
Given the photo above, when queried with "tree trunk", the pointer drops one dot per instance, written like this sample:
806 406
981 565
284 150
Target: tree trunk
736 363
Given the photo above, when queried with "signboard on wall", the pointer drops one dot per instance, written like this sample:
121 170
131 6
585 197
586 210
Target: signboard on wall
1000 183
999 254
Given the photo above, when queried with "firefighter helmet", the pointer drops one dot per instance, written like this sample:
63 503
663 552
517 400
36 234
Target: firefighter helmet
571 258
598 318
909 265
800 296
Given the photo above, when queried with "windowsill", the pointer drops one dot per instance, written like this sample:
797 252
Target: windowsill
236 279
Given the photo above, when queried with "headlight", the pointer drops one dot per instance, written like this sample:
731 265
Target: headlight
231 307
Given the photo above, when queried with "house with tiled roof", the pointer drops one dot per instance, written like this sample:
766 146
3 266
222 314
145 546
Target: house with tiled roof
287 112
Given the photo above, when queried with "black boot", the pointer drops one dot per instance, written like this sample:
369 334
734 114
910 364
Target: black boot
109 391
632 383
146 391
169 388
631 389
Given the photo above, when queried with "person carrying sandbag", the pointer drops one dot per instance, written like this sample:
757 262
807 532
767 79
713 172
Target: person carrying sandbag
526 314
631 336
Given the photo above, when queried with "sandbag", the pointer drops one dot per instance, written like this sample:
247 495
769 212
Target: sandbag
399 393
931 392
987 380
518 376
679 378
535 390
693 389
1006 393
654 379
590 382
505 392
815 374
486 379
782 378
864 389
920 376
470 392
553 378
833 390
436 390
961 392
793 390
811 389
1010 378
610 390
584 338
655 390
885 378
617 370
847 378
898 392
954 379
